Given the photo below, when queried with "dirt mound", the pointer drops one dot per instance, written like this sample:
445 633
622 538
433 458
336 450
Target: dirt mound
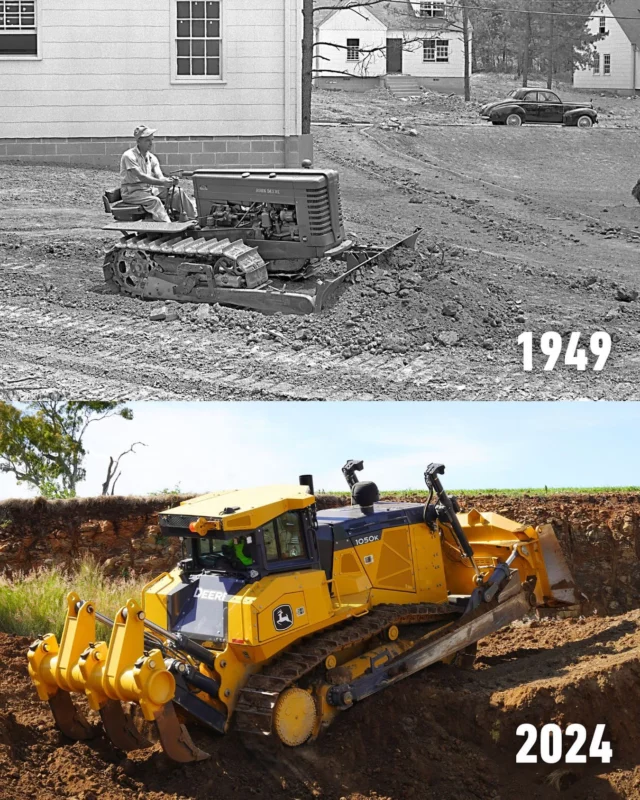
444 733
413 300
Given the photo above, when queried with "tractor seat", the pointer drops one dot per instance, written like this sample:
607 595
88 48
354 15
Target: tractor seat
122 211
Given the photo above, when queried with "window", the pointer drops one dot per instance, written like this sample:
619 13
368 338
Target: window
435 50
432 9
270 541
353 49
603 25
291 536
607 64
18 32
596 63
284 537
198 39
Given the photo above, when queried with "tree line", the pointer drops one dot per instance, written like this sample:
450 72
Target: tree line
548 37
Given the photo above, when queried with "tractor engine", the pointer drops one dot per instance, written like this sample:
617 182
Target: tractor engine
264 220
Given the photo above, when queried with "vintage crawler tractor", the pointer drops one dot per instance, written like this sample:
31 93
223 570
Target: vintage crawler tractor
264 240
280 616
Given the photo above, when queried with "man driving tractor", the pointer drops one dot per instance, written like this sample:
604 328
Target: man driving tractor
142 181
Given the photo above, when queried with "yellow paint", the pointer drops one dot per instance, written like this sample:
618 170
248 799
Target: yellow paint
294 716
255 507
408 564
129 675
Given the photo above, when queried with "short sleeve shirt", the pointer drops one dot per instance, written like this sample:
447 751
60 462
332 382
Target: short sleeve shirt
148 164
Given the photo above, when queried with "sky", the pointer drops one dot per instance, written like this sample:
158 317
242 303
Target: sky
199 447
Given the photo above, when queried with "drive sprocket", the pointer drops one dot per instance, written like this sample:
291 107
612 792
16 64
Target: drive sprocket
128 269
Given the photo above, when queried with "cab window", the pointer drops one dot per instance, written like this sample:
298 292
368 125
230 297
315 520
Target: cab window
284 537
531 96
291 536
270 541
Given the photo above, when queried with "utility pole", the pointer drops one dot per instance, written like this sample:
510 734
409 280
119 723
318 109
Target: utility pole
525 55
465 39
550 53
307 63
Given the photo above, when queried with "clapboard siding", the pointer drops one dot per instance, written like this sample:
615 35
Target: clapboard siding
372 33
618 46
106 65
345 25
413 62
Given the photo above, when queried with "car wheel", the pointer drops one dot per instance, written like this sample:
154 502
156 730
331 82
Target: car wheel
584 121
514 119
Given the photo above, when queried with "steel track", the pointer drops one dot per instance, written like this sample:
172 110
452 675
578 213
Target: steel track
258 698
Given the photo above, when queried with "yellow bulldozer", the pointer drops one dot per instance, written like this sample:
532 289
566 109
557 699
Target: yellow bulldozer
280 616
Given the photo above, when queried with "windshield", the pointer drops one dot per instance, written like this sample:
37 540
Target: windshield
225 554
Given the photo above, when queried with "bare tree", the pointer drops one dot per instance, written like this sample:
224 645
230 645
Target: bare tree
109 485
309 47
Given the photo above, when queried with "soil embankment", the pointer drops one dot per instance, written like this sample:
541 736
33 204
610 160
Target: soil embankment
599 534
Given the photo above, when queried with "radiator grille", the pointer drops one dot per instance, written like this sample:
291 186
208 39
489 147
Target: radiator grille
319 208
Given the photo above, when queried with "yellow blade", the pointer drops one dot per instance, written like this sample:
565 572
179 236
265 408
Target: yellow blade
563 588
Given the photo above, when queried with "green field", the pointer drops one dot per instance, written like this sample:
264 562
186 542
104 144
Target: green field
545 490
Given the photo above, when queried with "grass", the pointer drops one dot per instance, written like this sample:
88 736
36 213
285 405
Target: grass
34 604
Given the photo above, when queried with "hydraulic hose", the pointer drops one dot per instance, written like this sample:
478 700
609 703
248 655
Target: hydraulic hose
179 641
433 482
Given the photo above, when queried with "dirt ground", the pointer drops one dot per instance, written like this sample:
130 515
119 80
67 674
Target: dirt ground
444 734
447 734
531 228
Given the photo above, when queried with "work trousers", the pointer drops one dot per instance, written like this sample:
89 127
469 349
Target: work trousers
152 199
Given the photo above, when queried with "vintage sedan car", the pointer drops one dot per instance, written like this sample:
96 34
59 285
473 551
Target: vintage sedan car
538 105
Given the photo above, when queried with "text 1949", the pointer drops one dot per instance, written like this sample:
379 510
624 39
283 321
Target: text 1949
551 345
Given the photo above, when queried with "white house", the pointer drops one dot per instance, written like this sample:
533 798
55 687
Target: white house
357 48
219 79
616 64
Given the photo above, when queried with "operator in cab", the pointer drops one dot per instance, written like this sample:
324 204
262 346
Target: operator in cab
142 182
234 548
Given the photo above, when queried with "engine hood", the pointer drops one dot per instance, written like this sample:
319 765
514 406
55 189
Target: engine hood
199 606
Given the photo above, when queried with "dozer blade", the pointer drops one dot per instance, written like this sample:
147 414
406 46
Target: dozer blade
561 583
366 257
69 719
513 602
120 728
174 737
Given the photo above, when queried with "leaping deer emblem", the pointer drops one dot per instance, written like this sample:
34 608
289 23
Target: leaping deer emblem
282 617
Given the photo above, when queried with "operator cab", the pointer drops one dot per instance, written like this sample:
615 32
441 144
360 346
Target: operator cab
248 533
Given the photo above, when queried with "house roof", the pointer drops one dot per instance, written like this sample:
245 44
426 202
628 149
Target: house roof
394 15
627 8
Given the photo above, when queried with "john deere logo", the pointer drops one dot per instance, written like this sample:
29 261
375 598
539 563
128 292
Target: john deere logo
283 617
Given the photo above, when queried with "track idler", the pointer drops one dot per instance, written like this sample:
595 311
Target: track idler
109 675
